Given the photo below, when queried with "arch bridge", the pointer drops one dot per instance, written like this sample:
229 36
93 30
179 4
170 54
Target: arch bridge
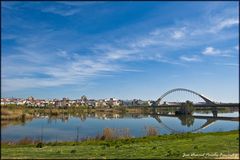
207 100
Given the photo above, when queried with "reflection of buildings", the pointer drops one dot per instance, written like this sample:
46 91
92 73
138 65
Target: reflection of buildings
107 115
63 118
84 116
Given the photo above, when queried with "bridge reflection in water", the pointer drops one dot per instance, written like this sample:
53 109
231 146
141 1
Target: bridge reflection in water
189 120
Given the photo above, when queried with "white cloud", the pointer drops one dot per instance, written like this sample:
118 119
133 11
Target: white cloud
145 42
119 54
228 64
166 60
63 54
23 83
236 47
61 11
68 8
26 75
83 3
211 51
227 23
155 32
155 45
57 75
231 64
190 58
222 25
178 34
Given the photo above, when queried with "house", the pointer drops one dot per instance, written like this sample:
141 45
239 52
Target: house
91 103
100 103
4 101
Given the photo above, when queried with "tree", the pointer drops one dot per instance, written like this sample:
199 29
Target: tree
84 98
186 108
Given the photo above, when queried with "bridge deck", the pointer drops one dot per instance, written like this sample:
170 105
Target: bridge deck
232 105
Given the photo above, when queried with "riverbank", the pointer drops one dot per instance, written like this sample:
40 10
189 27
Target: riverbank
187 145
20 114
13 112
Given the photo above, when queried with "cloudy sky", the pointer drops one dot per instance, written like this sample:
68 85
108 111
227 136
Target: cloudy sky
119 49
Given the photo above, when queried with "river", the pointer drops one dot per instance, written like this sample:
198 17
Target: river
90 125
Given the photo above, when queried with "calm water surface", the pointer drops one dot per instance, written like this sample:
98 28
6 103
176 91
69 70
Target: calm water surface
93 125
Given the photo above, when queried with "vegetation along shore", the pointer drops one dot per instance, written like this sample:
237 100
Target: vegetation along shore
186 145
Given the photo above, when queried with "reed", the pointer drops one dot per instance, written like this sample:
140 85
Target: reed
115 133
151 131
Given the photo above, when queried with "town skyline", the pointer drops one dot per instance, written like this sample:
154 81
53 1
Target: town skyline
125 50
185 98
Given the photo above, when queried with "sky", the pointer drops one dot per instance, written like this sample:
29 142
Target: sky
124 50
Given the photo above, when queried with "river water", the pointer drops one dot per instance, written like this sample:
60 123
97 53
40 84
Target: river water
67 128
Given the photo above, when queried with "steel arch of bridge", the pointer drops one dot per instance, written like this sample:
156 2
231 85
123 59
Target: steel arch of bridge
207 100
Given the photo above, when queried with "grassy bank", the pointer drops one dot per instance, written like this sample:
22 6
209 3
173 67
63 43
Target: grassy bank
190 145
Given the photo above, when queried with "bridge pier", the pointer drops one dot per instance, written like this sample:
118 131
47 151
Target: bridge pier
214 111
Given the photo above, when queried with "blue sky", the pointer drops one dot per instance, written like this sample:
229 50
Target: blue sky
119 49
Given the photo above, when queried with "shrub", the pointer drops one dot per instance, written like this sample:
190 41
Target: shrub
108 134
5 112
117 146
25 141
124 133
114 133
102 154
54 112
73 151
39 145
59 152
151 131
154 147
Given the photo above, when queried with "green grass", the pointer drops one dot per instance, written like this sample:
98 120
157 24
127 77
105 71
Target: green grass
155 147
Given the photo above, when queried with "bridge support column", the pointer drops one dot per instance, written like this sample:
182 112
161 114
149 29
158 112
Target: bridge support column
214 111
